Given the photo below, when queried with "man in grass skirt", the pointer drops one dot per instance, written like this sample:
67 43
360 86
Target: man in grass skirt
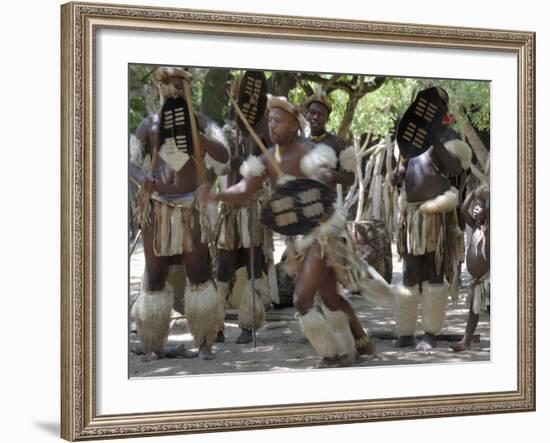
321 255
238 231
174 225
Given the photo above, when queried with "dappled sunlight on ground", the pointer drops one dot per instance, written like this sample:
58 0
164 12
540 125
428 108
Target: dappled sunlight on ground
281 346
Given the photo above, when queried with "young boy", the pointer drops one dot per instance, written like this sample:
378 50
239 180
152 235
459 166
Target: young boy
477 259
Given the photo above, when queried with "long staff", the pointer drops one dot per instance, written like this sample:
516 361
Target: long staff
253 134
197 152
251 220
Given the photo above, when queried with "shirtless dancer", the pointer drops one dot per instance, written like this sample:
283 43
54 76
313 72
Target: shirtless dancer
478 259
332 328
235 238
428 238
317 108
175 226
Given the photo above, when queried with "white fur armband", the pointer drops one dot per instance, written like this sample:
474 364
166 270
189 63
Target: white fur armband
219 168
322 156
348 159
461 151
252 167
442 203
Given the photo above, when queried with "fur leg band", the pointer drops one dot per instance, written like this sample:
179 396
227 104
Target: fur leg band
434 302
223 292
246 308
204 312
318 331
152 312
344 338
405 308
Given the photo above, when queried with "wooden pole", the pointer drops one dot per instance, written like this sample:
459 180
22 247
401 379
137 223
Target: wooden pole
197 152
253 134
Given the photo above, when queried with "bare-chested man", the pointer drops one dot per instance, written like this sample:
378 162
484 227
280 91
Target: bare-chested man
175 226
478 259
236 236
332 327
428 237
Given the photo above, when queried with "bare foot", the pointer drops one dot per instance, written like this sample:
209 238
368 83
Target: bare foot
149 356
427 343
180 352
460 346
220 338
206 353
245 337
365 346
404 341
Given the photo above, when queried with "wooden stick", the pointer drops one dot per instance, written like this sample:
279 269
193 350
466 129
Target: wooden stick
197 153
253 134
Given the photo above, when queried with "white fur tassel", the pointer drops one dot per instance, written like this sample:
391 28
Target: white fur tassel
223 291
246 308
321 156
340 322
348 159
434 302
204 312
374 288
152 312
336 223
442 203
252 167
405 309
461 151
320 333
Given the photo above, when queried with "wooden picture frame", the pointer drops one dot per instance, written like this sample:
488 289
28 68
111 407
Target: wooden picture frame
79 401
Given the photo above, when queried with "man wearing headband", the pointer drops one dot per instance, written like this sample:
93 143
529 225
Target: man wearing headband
174 225
319 257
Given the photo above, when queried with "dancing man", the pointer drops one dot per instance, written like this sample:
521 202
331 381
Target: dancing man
320 256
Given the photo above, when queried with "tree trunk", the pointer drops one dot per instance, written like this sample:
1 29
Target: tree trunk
281 83
150 93
479 148
214 102
345 126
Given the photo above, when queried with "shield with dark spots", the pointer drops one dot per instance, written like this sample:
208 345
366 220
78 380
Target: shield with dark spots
298 206
422 122
252 98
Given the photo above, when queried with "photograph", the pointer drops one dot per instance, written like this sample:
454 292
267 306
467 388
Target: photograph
305 220
273 221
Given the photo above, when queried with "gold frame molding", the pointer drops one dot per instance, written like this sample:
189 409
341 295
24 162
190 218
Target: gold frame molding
79 22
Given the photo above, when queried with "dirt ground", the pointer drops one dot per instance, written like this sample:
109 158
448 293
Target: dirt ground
281 346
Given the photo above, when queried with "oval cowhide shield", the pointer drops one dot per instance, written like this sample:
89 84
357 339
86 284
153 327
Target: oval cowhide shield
298 206
421 123
252 98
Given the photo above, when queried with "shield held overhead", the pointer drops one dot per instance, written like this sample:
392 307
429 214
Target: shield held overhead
252 99
422 122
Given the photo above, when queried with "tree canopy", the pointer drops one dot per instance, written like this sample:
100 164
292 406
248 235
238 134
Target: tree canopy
361 103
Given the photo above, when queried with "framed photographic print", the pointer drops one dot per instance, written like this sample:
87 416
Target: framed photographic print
236 185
